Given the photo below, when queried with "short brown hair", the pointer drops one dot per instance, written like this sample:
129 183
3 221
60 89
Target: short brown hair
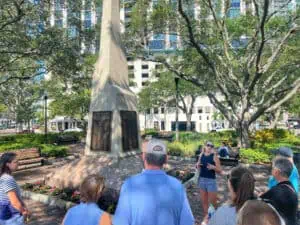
91 188
258 213
242 181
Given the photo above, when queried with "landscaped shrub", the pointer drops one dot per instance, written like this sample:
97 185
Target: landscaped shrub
53 150
255 156
152 132
22 141
182 149
262 137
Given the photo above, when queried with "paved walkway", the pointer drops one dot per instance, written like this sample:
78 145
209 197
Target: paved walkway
44 215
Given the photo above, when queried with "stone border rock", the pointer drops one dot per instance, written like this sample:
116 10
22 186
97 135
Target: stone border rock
179 158
47 200
65 205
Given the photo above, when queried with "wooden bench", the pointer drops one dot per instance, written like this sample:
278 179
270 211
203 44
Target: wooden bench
28 158
233 159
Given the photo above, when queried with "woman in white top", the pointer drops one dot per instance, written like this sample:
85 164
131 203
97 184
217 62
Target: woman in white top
12 208
241 184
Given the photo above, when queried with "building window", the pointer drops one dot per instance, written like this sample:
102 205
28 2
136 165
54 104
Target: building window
131 75
173 41
158 66
207 117
144 67
157 74
131 67
162 125
200 110
207 109
162 110
200 127
148 111
145 75
208 126
200 118
59 23
156 125
155 110
144 83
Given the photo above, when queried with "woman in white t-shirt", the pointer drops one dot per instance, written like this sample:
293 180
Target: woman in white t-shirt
12 207
241 185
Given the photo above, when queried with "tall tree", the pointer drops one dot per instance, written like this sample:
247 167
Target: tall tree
20 98
162 93
251 62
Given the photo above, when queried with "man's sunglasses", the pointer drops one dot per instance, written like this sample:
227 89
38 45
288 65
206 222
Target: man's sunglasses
210 146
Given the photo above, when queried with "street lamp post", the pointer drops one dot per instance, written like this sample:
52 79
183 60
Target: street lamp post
46 128
176 116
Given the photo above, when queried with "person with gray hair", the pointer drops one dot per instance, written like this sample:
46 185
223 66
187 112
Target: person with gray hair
153 197
283 196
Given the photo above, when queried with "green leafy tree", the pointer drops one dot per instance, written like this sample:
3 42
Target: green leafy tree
247 66
20 98
162 93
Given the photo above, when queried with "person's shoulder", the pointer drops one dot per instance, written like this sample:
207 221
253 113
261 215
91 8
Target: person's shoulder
7 178
226 210
133 179
174 180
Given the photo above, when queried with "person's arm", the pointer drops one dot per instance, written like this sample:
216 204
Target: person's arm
186 216
105 219
217 167
15 202
123 213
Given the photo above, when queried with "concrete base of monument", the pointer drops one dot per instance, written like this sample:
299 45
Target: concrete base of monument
115 170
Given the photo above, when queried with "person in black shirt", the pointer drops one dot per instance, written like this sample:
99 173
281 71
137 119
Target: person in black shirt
283 196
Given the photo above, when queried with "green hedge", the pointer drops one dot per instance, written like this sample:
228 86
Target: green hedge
255 156
182 149
21 141
53 150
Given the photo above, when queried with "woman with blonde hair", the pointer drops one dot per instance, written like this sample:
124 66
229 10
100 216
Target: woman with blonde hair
209 165
259 213
241 184
88 212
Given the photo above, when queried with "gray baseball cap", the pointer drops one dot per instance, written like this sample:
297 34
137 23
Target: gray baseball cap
156 147
284 151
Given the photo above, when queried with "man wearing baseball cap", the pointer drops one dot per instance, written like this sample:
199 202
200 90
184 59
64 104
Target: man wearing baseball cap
153 197
285 152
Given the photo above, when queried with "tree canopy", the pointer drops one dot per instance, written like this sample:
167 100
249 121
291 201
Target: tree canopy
247 65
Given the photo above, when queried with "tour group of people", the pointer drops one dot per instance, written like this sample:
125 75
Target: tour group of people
155 198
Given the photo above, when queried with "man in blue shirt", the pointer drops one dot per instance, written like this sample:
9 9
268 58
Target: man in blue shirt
153 197
294 177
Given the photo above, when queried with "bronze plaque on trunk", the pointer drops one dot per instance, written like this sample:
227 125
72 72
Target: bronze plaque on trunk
129 130
101 131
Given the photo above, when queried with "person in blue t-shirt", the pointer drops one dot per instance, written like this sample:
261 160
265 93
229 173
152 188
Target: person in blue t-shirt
294 177
88 212
223 151
153 197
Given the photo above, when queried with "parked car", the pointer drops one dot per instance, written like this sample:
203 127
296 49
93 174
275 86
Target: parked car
75 129
297 126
